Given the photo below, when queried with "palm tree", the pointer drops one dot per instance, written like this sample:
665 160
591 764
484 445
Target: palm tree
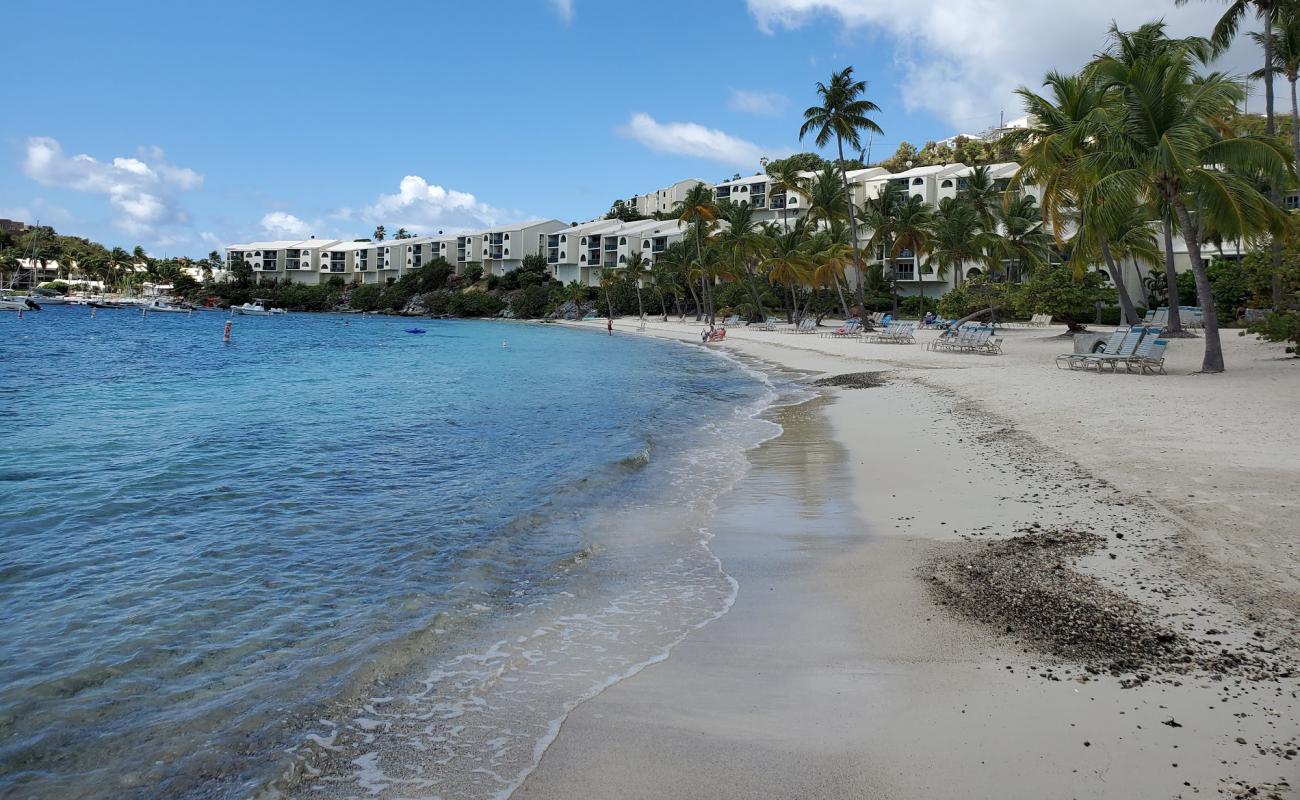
843 115
1285 52
1056 146
608 280
699 209
663 280
676 259
635 270
831 257
1113 238
1225 30
912 229
1166 147
827 201
1020 242
379 233
576 293
742 239
957 236
879 214
981 192
787 179
787 263
1130 47
402 234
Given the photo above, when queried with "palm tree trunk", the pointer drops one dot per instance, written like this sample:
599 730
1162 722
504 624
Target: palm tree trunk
699 307
853 228
1117 275
920 283
640 309
753 290
893 285
794 305
1213 360
1171 279
861 312
1295 119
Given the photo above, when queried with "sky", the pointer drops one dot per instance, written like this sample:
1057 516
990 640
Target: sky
184 127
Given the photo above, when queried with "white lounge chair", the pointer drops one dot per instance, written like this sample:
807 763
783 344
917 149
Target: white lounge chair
1071 360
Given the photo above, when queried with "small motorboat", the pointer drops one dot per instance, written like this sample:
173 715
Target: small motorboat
9 302
257 308
51 299
163 307
108 304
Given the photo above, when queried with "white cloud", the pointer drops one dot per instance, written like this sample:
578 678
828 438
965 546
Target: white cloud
424 207
280 223
962 59
141 190
693 139
564 8
752 101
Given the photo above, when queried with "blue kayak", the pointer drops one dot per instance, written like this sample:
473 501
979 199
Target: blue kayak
415 330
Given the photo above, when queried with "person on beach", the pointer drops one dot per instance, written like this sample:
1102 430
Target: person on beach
609 325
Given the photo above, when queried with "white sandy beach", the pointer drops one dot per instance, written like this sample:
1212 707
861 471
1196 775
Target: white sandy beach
838 673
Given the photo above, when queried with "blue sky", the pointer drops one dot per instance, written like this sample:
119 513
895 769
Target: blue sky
185 126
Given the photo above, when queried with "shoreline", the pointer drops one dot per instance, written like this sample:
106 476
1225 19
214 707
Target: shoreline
899 696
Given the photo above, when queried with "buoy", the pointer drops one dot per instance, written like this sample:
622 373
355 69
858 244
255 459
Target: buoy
226 337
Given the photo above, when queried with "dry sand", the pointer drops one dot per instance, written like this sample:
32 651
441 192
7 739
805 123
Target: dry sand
840 672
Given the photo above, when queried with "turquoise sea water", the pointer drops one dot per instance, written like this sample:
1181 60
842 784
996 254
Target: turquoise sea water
335 558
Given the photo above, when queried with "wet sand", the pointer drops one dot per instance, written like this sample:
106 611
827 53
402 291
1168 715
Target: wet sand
840 673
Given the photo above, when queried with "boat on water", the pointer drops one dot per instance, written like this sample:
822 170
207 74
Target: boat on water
109 304
160 306
257 308
51 299
9 302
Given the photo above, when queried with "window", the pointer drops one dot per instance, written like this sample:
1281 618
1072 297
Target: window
622 240
917 181
584 240
947 184
645 244
1291 202
622 259
563 238
506 237
563 255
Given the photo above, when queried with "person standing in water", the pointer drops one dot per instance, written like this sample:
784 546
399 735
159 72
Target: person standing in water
609 325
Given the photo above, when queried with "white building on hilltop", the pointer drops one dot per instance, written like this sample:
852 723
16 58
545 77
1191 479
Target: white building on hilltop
663 201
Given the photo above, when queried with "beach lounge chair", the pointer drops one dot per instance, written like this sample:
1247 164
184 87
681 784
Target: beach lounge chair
768 325
1100 361
1112 347
1152 361
950 338
1151 350
849 330
806 325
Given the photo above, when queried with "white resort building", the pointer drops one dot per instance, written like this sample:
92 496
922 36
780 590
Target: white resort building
579 251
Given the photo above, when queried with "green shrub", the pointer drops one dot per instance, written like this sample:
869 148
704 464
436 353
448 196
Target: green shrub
475 303
1279 327
438 302
531 302
473 272
1055 290
366 297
